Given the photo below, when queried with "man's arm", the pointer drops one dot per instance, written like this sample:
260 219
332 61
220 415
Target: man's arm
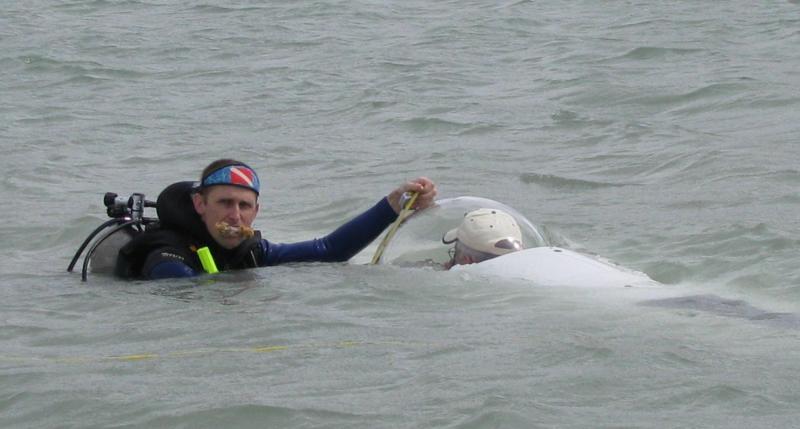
338 246
350 238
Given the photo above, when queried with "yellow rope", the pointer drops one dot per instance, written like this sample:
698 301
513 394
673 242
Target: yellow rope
137 357
404 213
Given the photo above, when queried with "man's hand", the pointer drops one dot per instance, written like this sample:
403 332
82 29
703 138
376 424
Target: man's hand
425 189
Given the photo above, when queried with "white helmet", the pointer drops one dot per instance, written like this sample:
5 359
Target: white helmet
491 231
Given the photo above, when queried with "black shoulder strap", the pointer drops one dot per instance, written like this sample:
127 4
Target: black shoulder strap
132 256
248 254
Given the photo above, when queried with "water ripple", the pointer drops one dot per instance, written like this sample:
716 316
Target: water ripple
558 182
650 52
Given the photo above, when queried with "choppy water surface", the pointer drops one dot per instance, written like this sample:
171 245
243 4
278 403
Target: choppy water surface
661 135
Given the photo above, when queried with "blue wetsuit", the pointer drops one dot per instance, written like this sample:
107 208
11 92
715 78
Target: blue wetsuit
338 246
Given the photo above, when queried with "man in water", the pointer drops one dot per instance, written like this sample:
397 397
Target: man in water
218 213
483 234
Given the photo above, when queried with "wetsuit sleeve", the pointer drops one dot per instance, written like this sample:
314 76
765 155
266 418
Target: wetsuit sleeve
166 263
338 246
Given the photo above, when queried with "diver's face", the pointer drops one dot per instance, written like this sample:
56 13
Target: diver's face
458 257
231 204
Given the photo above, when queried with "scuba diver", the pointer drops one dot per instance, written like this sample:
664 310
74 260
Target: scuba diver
205 227
483 234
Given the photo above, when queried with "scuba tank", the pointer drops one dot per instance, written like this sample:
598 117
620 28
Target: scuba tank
127 221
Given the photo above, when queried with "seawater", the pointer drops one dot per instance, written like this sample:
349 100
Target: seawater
662 135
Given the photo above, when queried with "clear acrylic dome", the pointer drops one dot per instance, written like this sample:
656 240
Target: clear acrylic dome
419 240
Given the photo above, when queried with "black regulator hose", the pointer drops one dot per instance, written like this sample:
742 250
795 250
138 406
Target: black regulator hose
100 240
86 242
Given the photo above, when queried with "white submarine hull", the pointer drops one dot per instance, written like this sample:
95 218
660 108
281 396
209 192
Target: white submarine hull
554 266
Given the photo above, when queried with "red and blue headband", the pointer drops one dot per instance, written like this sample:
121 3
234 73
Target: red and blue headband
233 175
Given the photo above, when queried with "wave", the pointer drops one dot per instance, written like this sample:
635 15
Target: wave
729 308
558 182
706 92
651 23
75 71
209 8
428 124
651 52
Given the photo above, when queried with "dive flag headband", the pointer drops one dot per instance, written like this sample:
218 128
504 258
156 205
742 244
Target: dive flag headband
234 175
